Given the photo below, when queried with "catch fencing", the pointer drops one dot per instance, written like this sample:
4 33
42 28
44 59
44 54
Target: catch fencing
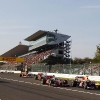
80 69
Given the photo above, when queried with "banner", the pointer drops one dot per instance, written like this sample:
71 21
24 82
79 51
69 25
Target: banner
11 59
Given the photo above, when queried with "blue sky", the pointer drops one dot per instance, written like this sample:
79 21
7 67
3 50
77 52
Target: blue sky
78 18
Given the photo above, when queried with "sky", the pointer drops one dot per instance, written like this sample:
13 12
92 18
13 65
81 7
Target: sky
79 19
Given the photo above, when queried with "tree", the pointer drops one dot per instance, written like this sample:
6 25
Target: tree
87 60
78 60
82 61
97 54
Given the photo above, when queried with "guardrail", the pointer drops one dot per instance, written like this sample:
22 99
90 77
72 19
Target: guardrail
60 75
9 71
69 76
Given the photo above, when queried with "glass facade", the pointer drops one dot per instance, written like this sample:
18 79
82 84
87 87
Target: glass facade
37 41
51 38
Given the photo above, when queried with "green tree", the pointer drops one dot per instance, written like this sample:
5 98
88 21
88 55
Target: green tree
82 61
97 54
78 60
87 60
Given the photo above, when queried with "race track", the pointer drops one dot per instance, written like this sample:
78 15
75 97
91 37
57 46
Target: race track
13 87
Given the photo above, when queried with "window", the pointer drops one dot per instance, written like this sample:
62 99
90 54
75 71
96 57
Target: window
60 52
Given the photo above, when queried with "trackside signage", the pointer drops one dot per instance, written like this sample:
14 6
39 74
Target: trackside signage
11 59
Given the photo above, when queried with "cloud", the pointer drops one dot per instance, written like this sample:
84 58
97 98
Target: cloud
96 6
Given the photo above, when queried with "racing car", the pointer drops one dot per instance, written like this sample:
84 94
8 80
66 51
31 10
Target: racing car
39 76
58 82
76 81
25 75
97 84
86 84
24 72
55 82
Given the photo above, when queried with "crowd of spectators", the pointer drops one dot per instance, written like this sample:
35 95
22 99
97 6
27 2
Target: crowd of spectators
29 59
36 57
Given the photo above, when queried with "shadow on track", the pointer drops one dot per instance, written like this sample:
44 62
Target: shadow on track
3 82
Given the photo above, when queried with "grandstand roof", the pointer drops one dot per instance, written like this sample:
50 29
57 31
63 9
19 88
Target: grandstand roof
35 35
16 51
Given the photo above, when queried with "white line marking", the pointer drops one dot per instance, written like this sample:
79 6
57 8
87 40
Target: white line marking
1 78
74 90
68 89
55 87
58 87
34 83
44 85
37 84
15 80
5 78
87 92
27 82
62 88
97 94
20 81
81 91
91 93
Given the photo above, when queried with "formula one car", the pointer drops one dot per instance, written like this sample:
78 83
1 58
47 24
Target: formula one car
86 84
25 75
39 76
76 81
97 84
55 82
58 82
45 79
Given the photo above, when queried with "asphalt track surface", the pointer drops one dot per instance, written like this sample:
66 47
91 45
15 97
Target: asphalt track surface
13 87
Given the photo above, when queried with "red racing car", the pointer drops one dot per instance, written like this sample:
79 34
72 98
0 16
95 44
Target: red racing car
25 75
55 82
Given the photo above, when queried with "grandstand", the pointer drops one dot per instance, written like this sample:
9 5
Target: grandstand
42 44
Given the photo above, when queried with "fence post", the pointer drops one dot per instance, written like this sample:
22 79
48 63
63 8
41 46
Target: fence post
70 68
78 69
84 69
91 68
99 69
49 68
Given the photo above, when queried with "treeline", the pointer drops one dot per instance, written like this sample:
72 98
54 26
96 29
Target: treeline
95 59
82 61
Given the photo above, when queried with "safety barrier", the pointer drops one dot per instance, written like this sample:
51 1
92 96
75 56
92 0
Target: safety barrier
69 76
59 75
9 71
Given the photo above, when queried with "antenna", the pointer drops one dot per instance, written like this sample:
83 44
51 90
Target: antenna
56 31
